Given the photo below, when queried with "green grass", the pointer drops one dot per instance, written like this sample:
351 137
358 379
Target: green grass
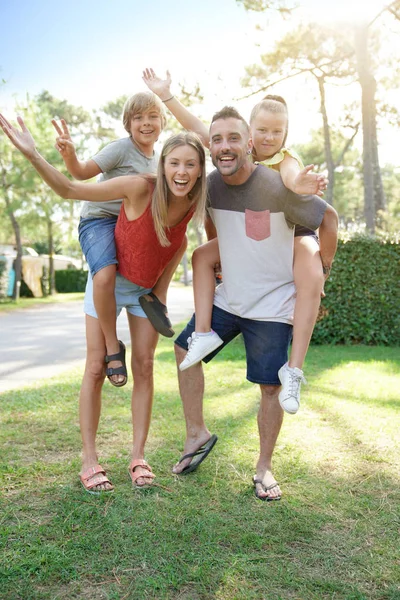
334 535
6 304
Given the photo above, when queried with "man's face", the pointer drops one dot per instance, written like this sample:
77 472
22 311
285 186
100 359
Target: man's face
229 145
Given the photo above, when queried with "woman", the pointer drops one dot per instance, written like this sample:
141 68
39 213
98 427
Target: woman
149 235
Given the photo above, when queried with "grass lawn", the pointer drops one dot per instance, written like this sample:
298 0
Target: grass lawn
334 535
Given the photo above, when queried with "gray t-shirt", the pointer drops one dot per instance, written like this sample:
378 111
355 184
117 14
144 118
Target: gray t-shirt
254 223
121 157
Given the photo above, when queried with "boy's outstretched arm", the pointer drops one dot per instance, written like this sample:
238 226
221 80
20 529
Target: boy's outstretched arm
162 89
113 189
79 169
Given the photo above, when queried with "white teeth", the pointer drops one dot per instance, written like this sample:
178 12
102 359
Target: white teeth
180 181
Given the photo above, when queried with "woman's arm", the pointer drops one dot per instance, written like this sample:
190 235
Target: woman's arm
301 181
162 89
79 169
113 189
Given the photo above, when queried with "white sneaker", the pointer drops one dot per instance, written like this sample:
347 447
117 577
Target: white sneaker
199 347
291 380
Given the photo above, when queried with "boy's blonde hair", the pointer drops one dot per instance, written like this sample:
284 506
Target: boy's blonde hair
159 202
139 103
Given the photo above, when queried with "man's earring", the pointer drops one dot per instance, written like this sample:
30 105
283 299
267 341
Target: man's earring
249 151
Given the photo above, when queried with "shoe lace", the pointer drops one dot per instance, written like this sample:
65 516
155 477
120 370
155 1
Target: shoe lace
294 383
191 340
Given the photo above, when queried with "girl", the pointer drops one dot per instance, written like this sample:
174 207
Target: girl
143 118
269 129
150 230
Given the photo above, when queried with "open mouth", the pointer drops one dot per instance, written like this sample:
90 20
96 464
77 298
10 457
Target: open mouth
226 159
181 183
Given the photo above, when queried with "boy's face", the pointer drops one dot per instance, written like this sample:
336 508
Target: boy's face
145 128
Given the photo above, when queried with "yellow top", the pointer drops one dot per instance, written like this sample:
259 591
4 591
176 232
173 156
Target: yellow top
279 156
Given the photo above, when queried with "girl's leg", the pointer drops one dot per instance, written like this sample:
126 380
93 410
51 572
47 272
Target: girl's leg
106 309
309 281
90 396
204 340
143 344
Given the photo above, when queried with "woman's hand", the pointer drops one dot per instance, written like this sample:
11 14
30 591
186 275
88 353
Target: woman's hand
22 140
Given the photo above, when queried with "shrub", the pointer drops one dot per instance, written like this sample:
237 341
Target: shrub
362 295
70 280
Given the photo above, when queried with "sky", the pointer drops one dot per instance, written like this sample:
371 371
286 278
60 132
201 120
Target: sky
90 52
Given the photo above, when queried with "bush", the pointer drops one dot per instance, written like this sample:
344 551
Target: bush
362 295
70 280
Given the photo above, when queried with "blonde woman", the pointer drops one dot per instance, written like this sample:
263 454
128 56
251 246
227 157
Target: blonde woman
150 231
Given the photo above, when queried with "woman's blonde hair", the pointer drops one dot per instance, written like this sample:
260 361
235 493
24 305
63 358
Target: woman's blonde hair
273 104
139 103
197 195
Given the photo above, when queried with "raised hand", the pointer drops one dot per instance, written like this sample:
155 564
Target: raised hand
64 143
160 87
307 182
22 139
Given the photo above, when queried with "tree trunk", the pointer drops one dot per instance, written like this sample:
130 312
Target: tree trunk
52 279
18 245
374 197
330 165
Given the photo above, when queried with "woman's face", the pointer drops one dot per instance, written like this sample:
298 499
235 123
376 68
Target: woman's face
182 168
268 132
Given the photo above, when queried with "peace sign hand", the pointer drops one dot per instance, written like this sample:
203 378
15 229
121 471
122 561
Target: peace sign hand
22 139
64 143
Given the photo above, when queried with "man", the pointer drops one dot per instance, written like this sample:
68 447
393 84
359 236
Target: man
250 207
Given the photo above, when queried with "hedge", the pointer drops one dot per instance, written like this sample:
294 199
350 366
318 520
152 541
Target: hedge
70 280
362 304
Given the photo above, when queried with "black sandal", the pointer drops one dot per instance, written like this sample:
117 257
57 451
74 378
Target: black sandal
156 312
110 371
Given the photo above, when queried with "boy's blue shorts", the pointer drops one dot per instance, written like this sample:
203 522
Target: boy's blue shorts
266 343
96 237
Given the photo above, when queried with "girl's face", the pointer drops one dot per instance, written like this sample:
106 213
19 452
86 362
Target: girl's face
268 131
182 168
145 128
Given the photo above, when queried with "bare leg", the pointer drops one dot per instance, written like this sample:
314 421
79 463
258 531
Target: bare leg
270 417
144 341
90 395
204 260
191 388
104 302
161 287
309 280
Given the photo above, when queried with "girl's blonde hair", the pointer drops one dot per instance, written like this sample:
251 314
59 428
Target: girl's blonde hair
139 103
159 202
273 104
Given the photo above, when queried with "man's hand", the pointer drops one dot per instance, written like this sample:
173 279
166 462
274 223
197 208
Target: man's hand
160 87
22 140
64 143
307 182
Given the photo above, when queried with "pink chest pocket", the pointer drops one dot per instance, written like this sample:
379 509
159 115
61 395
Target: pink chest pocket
258 224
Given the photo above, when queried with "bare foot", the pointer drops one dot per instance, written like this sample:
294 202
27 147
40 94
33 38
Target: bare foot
191 445
266 486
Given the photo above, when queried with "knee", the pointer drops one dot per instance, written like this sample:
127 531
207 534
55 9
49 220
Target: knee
104 279
95 370
311 284
142 367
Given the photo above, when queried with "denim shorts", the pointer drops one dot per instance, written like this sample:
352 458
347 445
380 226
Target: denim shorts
266 343
96 237
127 296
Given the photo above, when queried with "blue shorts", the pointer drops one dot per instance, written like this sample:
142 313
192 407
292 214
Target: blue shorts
127 296
96 237
266 343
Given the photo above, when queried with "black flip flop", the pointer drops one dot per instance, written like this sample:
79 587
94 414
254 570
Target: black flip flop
118 370
156 312
200 455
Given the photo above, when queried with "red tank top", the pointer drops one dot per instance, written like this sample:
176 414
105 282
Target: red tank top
141 258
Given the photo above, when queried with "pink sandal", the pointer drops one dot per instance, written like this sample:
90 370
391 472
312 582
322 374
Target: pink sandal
95 476
134 476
